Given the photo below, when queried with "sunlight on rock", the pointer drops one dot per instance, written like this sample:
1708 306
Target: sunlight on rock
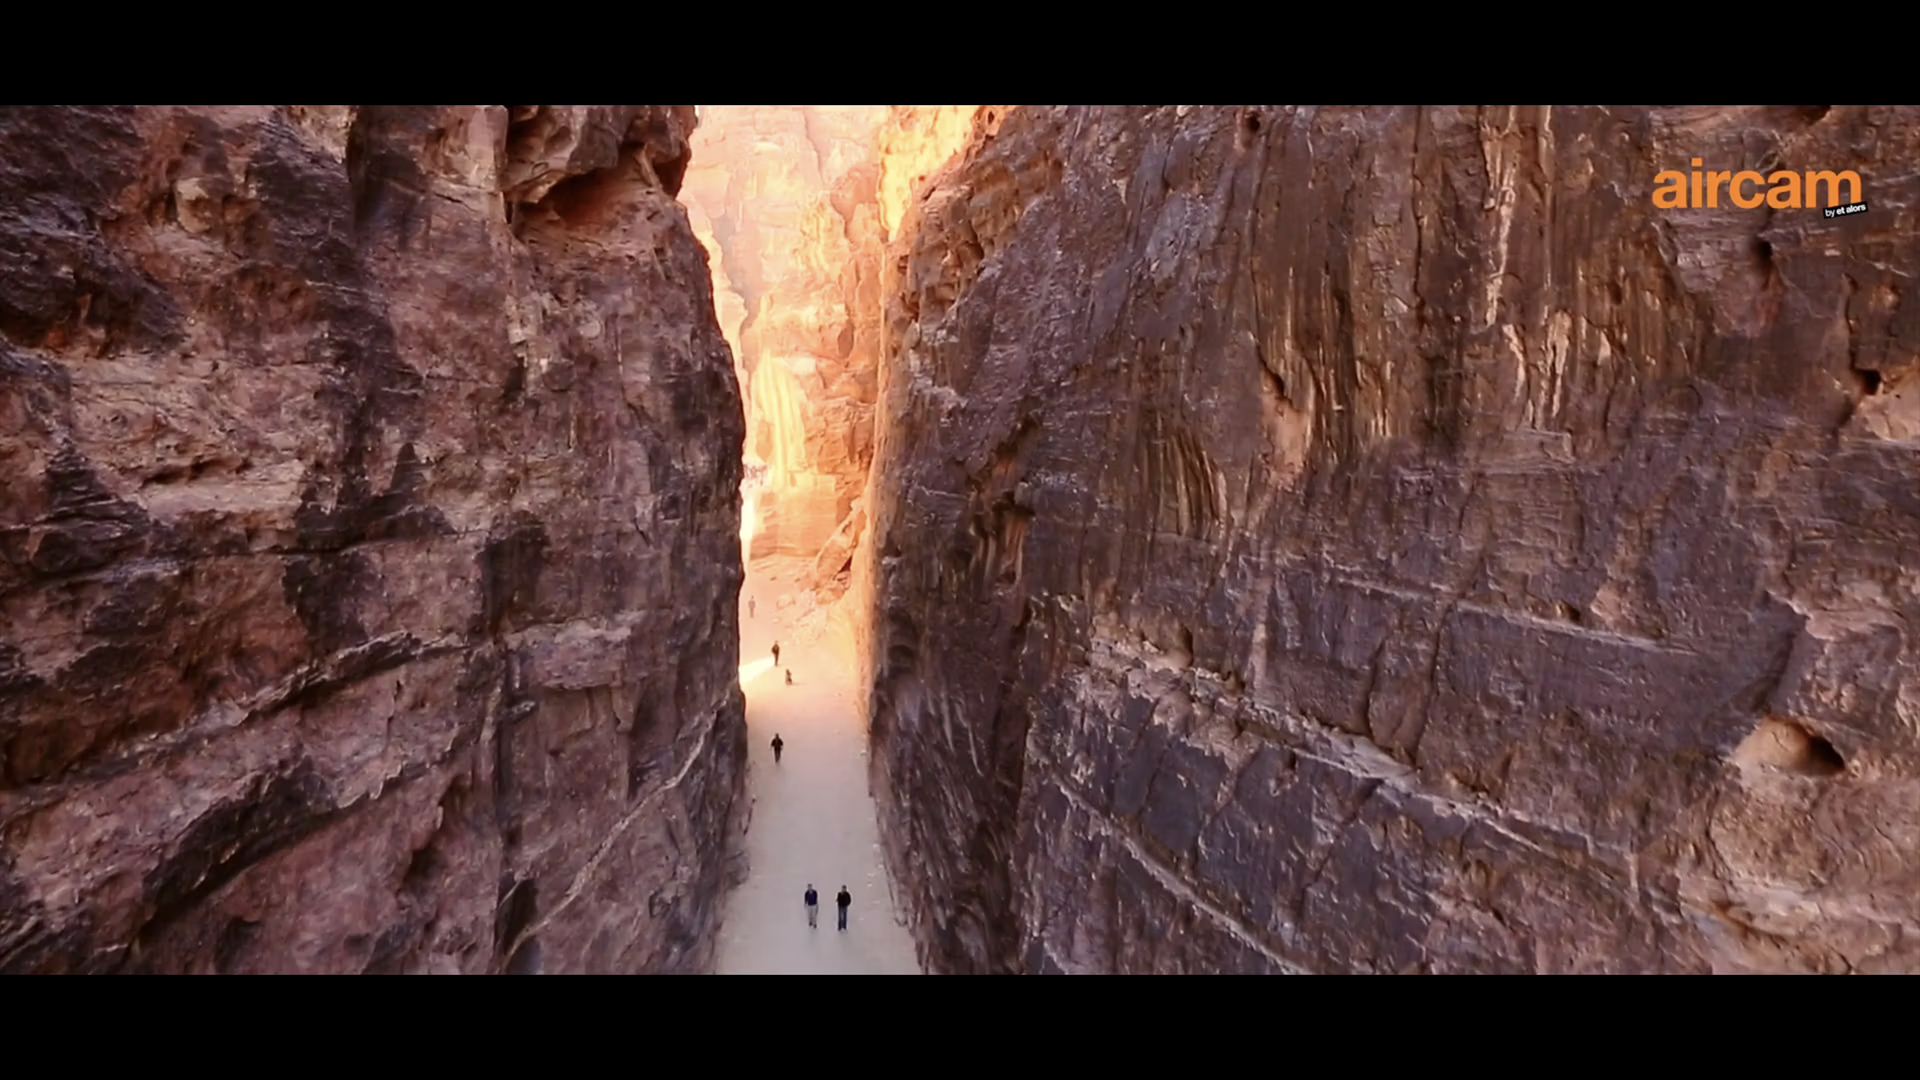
752 671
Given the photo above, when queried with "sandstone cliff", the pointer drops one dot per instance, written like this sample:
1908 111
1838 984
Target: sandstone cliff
1333 539
791 194
795 204
368 543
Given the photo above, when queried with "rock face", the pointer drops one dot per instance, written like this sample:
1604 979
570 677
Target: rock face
795 204
914 144
1381 540
368 543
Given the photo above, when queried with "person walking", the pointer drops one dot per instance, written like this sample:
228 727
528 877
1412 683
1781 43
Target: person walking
777 744
789 676
776 652
750 607
844 900
813 906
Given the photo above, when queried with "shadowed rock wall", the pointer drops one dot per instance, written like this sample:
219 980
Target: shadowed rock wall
368 543
1332 539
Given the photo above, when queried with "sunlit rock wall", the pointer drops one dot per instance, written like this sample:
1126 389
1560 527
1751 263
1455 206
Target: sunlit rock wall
796 204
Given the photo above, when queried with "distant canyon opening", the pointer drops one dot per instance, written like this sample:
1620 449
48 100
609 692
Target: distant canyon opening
797 206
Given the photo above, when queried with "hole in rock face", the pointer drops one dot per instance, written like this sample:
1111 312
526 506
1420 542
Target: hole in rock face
1869 380
1822 759
1787 746
588 199
1252 122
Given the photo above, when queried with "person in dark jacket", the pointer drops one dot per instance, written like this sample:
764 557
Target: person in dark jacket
845 900
776 652
777 744
813 906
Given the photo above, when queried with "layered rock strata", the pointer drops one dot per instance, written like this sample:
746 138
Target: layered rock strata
1329 539
368 543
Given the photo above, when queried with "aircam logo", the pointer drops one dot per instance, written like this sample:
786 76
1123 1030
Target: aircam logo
1784 191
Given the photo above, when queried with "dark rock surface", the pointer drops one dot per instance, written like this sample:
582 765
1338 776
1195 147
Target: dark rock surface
368 543
1317 539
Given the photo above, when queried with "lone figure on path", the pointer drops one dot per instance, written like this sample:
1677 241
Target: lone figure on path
777 744
845 900
776 652
789 676
813 906
750 607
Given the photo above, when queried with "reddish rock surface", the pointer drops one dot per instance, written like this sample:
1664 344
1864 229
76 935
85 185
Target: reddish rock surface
1333 539
368 543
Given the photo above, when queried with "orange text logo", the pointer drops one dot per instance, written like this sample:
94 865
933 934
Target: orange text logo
1783 190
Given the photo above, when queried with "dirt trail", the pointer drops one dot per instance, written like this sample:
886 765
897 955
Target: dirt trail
812 818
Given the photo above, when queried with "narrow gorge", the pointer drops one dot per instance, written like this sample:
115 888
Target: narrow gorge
1203 539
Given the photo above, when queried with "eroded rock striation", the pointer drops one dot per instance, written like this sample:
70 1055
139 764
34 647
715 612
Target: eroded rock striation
1319 539
368 543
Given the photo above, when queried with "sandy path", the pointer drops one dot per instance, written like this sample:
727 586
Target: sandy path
812 818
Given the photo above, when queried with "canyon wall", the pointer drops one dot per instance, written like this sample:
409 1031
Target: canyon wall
796 204
1334 539
368 543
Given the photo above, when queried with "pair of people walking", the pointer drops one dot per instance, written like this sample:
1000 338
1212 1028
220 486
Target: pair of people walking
843 901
